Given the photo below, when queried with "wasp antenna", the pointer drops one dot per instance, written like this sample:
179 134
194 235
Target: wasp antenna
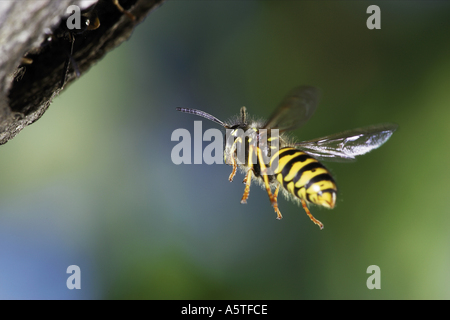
244 114
202 114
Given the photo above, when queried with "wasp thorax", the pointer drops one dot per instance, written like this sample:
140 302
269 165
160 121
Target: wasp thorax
240 146
237 145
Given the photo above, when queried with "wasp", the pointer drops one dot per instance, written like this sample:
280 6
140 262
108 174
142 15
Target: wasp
293 167
89 21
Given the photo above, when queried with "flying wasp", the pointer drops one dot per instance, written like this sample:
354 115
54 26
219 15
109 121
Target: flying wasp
89 21
293 167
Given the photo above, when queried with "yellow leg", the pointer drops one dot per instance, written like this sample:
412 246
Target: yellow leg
272 197
275 196
233 173
320 224
247 181
121 9
233 160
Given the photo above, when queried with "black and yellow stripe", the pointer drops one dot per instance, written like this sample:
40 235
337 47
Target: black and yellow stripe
304 177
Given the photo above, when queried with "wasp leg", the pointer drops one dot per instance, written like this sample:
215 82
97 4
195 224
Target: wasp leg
247 181
67 63
275 194
320 224
121 9
272 197
233 173
233 159
26 60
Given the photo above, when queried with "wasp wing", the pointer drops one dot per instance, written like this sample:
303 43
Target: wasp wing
294 110
345 146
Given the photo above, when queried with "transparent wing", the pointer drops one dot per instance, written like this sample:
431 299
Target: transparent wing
345 146
294 110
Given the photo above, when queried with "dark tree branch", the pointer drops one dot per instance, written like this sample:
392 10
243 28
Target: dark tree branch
26 90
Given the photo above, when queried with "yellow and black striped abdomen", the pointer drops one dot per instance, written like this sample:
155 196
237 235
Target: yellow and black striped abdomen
304 177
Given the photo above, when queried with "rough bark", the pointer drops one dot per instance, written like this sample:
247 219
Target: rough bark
26 90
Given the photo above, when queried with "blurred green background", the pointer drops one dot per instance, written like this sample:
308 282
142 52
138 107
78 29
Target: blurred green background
92 182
